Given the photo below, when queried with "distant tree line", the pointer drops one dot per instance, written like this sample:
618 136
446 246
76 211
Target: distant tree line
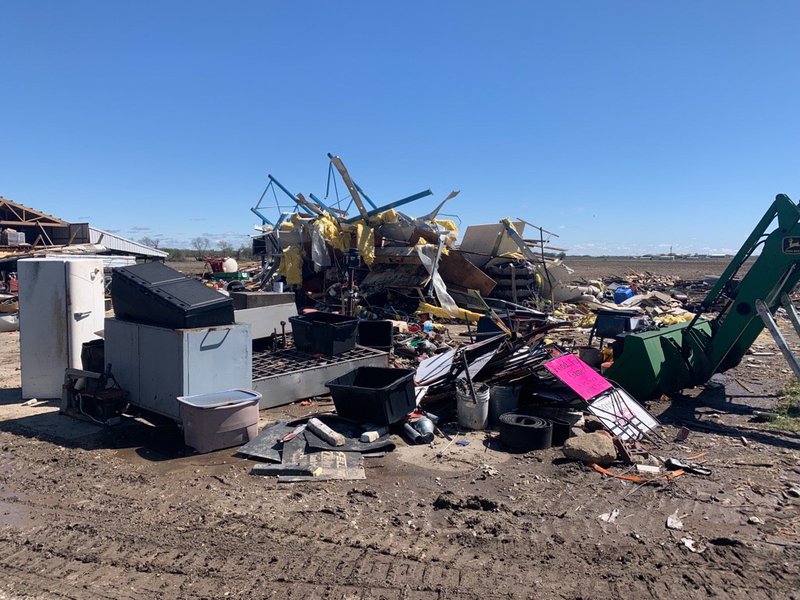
201 247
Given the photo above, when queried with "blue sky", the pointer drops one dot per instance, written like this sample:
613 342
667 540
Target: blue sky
625 126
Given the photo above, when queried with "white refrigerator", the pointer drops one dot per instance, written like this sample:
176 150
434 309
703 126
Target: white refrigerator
61 306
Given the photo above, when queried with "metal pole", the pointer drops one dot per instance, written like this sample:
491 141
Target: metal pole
769 322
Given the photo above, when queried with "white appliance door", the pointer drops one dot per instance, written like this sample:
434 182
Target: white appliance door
44 349
85 305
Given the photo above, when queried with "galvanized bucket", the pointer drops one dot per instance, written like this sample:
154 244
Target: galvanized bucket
473 413
503 399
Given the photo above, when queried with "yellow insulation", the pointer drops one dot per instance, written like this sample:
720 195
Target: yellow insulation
436 311
292 265
365 241
447 224
331 232
674 319
389 216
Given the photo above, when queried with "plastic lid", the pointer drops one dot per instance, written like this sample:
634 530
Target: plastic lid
217 399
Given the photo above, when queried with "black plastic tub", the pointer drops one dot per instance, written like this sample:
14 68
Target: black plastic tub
324 333
374 394
376 334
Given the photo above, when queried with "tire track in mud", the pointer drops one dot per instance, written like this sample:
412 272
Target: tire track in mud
115 532
72 574
143 564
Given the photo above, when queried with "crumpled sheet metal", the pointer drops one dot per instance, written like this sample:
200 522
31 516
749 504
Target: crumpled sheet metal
427 254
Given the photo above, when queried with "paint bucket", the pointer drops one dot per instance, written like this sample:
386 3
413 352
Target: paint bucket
502 399
473 413
277 286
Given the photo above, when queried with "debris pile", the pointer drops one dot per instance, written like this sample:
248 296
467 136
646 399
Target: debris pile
415 331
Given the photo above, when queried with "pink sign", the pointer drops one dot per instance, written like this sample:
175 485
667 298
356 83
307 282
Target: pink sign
578 376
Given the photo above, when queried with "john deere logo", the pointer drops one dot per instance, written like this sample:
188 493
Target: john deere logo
791 245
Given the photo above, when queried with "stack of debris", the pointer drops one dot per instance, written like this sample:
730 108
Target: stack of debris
383 263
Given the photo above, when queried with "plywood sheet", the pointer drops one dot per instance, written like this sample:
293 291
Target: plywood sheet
481 242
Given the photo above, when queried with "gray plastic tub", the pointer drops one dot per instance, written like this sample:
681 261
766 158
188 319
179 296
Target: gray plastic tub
220 419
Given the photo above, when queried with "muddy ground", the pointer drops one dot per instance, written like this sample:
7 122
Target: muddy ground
130 513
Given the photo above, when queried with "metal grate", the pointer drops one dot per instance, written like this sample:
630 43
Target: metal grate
281 362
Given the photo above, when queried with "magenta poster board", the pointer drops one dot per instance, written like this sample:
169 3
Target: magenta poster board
578 376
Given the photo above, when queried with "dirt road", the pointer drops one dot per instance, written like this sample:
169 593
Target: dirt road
129 513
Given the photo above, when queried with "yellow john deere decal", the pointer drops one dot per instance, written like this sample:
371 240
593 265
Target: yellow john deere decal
791 244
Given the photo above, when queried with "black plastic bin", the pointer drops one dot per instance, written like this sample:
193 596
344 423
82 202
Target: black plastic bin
376 395
324 333
155 294
93 356
376 334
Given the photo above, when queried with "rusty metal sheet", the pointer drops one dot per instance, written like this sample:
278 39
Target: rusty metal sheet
455 269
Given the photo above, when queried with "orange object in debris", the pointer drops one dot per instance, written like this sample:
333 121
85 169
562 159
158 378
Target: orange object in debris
636 478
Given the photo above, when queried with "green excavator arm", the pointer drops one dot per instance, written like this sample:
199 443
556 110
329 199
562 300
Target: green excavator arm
688 354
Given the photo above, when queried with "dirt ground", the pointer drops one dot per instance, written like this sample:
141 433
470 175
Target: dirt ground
130 513
597 268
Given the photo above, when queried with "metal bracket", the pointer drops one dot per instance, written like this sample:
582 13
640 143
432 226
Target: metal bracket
772 326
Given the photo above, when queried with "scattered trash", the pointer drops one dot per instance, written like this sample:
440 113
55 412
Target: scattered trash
648 469
754 520
683 434
609 517
674 521
692 545
373 434
674 464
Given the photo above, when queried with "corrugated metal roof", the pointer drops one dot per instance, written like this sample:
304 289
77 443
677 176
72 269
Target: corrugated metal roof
117 243
110 261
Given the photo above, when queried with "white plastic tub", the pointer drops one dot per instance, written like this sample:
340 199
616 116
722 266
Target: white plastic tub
220 419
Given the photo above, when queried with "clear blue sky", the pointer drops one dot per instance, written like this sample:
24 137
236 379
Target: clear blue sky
624 126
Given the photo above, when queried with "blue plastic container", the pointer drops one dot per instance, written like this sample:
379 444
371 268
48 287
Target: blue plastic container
622 293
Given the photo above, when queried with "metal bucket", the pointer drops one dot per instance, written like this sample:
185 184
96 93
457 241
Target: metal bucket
473 413
503 399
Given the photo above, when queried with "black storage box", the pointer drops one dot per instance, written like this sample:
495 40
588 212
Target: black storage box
376 395
324 333
610 323
376 334
155 294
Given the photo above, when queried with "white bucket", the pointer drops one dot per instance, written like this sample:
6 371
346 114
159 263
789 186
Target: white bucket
277 286
473 413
